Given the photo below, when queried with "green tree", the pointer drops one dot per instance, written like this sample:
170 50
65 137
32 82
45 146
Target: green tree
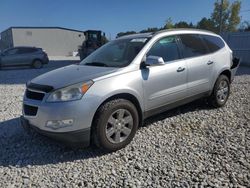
150 29
207 24
234 18
230 18
125 33
169 24
181 24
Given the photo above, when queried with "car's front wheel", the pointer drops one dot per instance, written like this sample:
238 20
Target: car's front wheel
220 92
115 124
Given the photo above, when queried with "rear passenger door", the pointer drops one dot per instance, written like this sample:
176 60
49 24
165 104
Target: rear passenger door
26 55
199 62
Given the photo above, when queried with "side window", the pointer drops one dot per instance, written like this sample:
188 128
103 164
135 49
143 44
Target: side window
12 51
213 43
26 50
166 48
193 45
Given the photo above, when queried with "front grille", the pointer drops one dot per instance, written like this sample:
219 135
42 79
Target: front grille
30 110
34 95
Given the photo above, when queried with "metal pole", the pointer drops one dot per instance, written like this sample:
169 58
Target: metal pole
221 9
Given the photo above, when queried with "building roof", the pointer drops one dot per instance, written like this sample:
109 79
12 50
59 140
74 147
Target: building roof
63 28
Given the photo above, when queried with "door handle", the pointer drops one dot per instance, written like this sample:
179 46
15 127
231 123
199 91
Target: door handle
210 62
180 69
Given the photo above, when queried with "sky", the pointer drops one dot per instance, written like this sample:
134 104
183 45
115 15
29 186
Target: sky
110 16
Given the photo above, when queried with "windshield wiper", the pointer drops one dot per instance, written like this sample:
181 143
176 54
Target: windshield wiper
97 64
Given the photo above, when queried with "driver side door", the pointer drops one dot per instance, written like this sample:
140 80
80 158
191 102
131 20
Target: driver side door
10 57
165 84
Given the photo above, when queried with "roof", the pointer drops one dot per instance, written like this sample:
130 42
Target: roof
63 28
137 35
162 31
183 29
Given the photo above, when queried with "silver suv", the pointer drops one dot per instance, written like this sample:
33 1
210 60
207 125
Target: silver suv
107 96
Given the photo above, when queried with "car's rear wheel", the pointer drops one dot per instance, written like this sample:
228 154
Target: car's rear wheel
115 124
220 92
37 64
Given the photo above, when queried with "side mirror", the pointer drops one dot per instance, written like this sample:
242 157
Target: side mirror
154 61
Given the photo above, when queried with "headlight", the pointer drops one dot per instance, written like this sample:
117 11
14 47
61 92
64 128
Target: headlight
70 93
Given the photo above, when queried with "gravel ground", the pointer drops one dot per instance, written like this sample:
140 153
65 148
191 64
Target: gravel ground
193 145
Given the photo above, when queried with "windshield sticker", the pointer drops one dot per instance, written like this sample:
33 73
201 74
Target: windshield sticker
139 40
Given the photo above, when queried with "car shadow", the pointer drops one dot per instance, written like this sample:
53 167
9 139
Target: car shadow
19 148
20 75
200 104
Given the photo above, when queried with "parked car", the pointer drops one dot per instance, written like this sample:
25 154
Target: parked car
107 96
24 55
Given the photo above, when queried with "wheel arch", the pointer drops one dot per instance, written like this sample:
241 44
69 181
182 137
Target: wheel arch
128 96
37 59
227 73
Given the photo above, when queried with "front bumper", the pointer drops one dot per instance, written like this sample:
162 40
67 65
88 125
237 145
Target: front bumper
72 138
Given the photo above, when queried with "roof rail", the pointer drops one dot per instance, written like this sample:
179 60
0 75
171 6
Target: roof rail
181 29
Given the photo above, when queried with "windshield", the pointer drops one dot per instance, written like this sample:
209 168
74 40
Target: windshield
117 53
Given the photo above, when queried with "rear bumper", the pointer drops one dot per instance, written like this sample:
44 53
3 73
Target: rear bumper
46 60
72 138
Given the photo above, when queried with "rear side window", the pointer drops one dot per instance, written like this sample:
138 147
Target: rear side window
193 45
26 50
166 48
213 43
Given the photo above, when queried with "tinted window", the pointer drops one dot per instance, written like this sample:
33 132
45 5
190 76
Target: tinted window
193 45
166 48
11 52
213 43
26 50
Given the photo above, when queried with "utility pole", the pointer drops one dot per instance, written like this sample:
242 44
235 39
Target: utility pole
221 9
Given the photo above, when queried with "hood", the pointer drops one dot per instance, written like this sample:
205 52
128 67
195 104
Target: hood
71 74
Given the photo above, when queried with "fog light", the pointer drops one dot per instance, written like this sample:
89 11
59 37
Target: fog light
57 124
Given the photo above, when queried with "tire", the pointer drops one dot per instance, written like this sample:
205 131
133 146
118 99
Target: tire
111 130
37 64
221 92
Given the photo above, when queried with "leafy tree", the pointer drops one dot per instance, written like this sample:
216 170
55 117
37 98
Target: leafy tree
125 33
169 24
230 15
207 24
150 29
191 25
181 24
234 18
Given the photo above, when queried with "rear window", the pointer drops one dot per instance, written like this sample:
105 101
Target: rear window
213 43
193 45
